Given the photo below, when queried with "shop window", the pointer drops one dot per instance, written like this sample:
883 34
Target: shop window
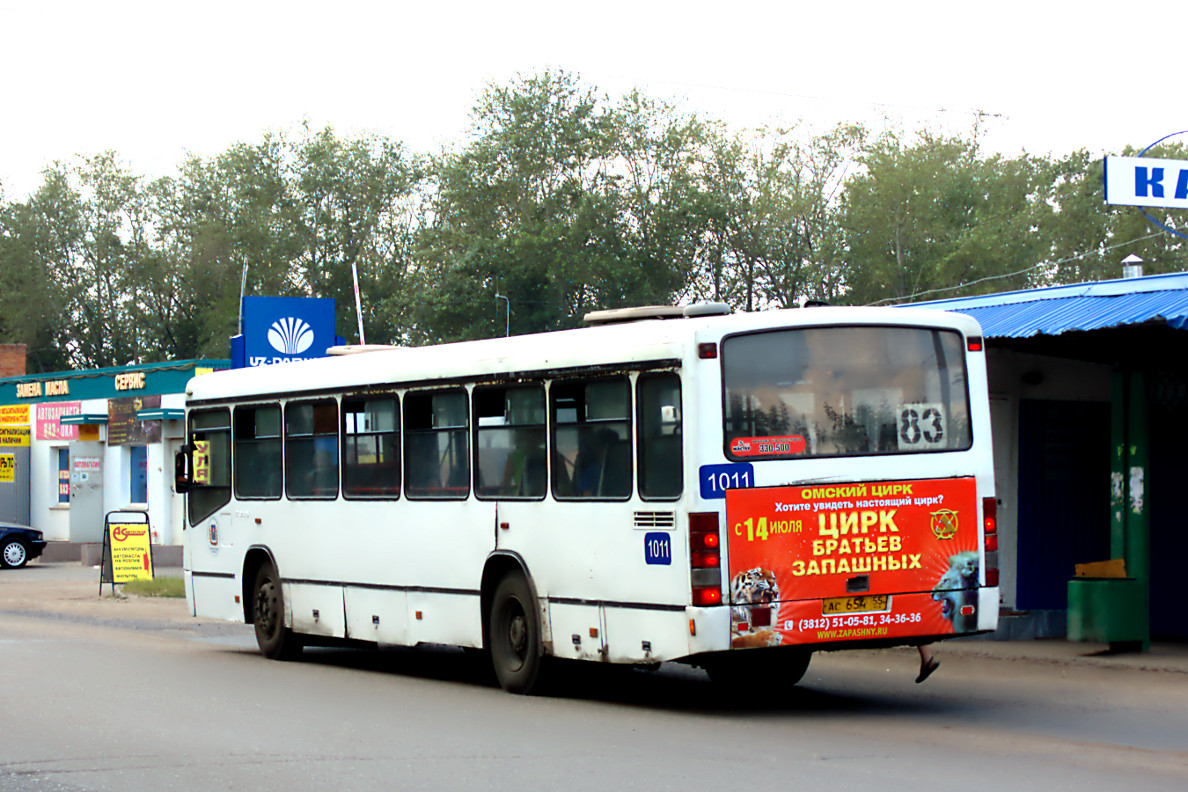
63 455
138 474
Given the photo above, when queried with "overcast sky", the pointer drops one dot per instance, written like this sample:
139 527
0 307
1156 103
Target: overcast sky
154 80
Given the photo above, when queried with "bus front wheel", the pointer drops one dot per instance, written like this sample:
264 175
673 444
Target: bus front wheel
516 649
276 641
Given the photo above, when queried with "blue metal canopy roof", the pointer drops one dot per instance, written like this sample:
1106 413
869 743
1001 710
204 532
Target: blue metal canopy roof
1083 306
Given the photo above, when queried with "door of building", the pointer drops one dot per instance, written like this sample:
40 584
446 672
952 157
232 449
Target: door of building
1064 504
86 492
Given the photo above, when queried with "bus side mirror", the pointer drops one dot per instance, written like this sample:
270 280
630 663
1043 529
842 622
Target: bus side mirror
181 469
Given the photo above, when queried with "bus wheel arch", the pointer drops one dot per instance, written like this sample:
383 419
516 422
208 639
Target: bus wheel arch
255 558
265 608
513 625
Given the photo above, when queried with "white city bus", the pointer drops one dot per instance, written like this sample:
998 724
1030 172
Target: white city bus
683 484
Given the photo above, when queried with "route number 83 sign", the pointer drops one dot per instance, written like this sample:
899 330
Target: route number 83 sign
921 426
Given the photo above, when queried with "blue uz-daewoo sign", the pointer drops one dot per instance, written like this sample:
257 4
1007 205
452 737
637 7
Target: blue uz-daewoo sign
285 329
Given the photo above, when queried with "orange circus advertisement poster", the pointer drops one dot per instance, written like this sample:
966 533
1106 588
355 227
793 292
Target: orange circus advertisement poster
823 563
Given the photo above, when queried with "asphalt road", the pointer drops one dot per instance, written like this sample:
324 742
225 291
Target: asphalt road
118 695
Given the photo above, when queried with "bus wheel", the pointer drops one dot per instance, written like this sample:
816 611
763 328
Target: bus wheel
781 668
276 642
516 650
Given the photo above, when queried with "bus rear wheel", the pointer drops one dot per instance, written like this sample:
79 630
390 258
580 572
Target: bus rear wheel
779 668
516 649
276 641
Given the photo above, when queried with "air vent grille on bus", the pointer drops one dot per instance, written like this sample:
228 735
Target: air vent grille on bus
655 520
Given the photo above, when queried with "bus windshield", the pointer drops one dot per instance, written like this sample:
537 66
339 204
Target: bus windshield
844 391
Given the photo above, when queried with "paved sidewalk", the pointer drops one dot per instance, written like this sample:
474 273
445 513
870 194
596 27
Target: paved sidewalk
72 588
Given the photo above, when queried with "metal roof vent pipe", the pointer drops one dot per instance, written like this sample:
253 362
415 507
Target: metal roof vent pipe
1132 267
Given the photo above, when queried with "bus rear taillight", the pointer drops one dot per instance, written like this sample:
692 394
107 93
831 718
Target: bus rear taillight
990 533
705 558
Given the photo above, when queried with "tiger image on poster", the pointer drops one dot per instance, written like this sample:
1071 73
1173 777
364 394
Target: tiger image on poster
958 587
756 586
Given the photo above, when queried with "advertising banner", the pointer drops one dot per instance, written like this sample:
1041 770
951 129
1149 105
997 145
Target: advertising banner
286 329
7 468
14 435
131 551
822 563
49 420
15 414
1146 181
124 428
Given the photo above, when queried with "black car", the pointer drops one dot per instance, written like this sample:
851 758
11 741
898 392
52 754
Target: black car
19 544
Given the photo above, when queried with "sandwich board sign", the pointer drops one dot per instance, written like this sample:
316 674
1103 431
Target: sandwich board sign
127 549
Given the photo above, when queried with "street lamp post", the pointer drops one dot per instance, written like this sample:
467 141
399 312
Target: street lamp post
507 322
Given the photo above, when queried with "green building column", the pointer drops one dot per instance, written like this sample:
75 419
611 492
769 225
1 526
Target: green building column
1117 610
1137 546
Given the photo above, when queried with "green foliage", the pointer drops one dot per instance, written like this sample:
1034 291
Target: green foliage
560 201
162 586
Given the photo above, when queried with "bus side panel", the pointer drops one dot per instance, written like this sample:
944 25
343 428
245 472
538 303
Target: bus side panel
316 609
576 630
634 634
215 597
213 568
445 618
380 616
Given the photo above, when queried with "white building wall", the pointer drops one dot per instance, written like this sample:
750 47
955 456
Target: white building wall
52 518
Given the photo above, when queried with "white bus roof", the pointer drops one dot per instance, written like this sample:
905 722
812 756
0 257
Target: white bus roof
626 343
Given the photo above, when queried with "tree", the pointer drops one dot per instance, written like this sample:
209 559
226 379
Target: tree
772 234
564 205
924 217
40 242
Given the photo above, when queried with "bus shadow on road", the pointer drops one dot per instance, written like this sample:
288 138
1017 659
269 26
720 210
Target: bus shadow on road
672 687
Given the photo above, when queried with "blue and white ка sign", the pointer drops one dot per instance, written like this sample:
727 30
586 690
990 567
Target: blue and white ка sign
1146 181
285 329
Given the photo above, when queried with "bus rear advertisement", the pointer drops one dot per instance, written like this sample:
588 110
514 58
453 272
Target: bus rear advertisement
853 556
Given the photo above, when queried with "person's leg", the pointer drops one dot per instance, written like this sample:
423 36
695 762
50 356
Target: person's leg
928 663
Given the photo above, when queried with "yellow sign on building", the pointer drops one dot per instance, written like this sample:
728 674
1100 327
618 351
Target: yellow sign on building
7 468
14 414
14 435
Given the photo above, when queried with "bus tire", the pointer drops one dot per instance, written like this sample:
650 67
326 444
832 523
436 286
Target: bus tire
779 668
276 641
517 652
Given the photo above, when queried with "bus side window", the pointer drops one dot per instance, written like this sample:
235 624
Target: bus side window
311 449
436 445
659 437
212 428
591 429
258 451
370 448
509 452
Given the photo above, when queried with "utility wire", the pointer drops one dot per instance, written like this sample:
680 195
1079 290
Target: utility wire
988 278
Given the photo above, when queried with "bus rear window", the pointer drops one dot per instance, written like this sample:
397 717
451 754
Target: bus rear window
844 391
